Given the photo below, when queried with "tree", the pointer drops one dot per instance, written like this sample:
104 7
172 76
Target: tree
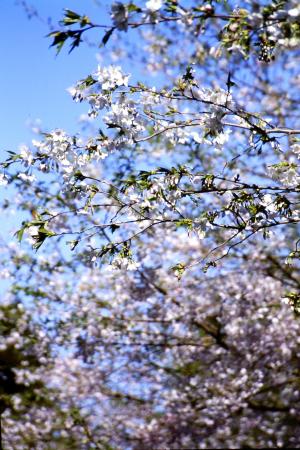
166 277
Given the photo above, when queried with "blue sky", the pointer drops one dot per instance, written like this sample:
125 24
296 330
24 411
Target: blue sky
33 80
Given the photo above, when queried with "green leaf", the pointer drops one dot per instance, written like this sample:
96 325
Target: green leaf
187 223
73 244
60 38
179 270
71 14
41 236
79 176
114 227
19 234
85 21
188 76
208 265
88 81
133 8
76 42
107 36
229 83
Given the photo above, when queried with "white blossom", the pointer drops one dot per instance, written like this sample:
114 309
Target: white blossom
111 77
154 5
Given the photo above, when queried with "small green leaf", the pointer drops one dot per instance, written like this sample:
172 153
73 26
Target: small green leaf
60 38
133 8
73 244
71 14
79 176
107 36
179 270
114 227
187 223
19 234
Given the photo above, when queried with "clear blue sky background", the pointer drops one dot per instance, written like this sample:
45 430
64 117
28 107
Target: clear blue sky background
33 80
